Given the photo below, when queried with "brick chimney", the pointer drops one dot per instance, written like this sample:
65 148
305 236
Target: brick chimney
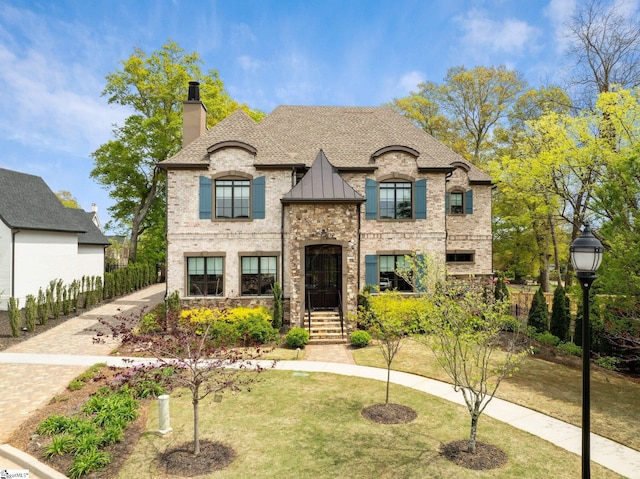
194 116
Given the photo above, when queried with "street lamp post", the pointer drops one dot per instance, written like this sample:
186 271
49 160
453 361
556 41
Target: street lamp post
586 256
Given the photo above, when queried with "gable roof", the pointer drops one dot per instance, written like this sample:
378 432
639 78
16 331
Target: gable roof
26 202
322 183
92 234
350 136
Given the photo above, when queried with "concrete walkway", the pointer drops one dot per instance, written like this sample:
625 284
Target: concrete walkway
36 370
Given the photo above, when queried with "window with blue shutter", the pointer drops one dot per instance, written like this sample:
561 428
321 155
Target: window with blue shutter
421 199
371 193
206 198
371 270
468 202
258 206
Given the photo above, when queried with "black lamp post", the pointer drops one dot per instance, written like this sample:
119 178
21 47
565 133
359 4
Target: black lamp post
586 256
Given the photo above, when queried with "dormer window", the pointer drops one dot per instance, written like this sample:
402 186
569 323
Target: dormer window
459 202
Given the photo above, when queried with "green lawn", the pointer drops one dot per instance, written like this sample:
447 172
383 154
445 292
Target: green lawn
547 387
309 425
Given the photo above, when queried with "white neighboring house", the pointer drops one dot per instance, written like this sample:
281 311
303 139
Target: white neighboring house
41 240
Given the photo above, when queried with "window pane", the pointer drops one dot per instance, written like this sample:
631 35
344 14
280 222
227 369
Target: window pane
387 263
268 264
250 265
455 200
195 265
214 265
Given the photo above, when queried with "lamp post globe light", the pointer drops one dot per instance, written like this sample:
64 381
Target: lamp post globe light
586 256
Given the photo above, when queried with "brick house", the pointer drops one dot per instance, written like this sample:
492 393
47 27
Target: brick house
323 200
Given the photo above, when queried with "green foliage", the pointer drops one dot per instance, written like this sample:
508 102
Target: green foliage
15 317
31 312
539 313
255 329
152 321
501 292
277 306
43 315
547 338
297 337
173 302
560 314
608 362
570 349
360 338
87 462
60 445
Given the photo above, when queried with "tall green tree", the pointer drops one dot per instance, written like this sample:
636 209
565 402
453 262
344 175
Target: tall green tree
539 313
153 87
463 111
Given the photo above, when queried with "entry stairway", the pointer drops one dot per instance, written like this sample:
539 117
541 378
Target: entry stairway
325 328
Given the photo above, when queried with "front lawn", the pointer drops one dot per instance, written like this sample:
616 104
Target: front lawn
549 387
309 425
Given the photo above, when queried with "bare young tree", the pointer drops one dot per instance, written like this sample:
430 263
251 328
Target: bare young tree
207 366
605 44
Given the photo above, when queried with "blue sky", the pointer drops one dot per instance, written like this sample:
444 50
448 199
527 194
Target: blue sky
55 54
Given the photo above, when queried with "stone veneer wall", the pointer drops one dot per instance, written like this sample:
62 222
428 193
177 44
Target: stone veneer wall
303 225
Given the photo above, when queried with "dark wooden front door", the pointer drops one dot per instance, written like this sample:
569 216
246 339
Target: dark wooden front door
323 276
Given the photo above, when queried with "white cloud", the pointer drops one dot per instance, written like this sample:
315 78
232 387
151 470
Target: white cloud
49 100
409 81
249 64
483 35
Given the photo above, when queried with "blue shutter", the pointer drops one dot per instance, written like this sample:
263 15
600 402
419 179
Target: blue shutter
258 205
371 269
468 202
206 198
371 193
421 199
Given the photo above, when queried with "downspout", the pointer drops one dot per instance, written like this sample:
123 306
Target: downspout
359 254
446 213
282 257
14 232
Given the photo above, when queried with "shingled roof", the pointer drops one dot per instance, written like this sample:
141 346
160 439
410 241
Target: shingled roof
26 202
322 183
349 136
92 234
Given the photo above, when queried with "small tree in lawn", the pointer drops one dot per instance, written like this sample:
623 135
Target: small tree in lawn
539 313
390 318
207 366
560 314
465 331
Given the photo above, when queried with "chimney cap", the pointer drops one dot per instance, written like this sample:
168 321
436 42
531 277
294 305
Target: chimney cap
194 91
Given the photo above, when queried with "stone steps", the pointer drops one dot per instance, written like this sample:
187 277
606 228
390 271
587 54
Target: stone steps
325 328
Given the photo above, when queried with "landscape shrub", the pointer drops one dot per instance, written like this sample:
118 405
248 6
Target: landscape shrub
15 318
539 313
152 321
277 306
547 338
256 328
297 337
42 308
608 362
31 312
560 314
570 348
360 338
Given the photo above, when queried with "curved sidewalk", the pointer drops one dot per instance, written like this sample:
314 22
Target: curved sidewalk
43 366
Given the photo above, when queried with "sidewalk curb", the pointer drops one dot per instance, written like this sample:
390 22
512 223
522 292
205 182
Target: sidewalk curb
37 470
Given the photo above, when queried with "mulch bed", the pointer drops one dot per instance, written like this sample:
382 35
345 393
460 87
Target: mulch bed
180 461
389 413
485 457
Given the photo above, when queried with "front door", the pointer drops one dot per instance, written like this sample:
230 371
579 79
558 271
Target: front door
323 276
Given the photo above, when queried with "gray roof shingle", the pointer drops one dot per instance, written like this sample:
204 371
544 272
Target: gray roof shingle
92 234
347 135
26 202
